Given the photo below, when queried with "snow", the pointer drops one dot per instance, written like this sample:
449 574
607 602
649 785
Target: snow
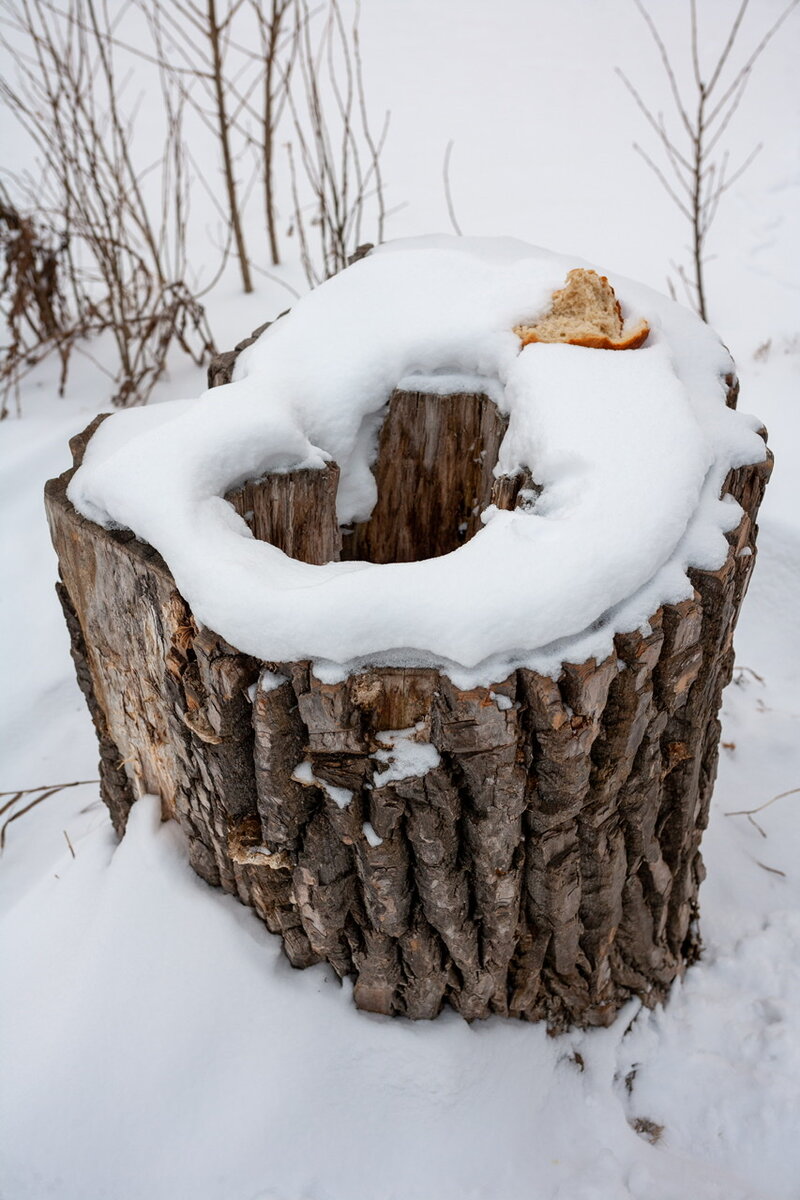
177 1053
630 449
304 773
371 835
752 982
406 755
269 681
156 1043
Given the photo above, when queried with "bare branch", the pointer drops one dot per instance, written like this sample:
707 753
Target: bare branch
700 178
448 195
44 793
698 79
656 125
756 54
337 161
723 58
662 50
748 812
663 180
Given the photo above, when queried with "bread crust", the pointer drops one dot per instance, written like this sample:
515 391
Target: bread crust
632 340
587 300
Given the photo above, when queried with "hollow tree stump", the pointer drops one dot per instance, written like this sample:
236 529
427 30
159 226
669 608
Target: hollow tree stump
542 863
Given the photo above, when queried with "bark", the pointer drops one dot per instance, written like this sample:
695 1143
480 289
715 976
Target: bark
547 867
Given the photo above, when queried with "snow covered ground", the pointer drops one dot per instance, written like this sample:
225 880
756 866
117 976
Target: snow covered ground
155 1043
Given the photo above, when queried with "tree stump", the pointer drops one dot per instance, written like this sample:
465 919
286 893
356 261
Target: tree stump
529 849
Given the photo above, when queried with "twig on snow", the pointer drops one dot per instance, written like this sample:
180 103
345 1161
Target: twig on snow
44 793
749 812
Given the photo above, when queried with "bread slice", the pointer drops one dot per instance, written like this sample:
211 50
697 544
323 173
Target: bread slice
585 312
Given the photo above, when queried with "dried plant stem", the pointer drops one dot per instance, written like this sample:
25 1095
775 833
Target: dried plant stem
214 30
272 30
451 212
201 36
35 297
748 812
334 158
124 259
44 793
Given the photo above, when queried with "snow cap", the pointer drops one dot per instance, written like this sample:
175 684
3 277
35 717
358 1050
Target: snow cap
630 448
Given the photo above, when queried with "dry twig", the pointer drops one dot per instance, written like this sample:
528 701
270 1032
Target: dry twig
451 212
274 38
40 793
335 156
772 870
746 812
219 73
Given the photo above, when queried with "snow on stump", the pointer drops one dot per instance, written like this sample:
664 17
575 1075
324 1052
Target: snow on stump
488 820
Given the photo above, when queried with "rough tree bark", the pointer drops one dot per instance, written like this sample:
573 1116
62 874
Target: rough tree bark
547 867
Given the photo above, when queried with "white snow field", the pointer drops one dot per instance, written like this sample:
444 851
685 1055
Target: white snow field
154 1042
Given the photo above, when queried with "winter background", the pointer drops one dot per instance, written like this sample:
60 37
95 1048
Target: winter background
155 1042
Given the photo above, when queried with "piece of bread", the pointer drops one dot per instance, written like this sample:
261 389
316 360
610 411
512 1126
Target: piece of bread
585 312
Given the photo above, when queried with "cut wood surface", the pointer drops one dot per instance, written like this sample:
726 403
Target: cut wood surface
546 865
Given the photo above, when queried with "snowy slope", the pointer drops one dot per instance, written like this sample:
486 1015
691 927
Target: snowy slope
155 1043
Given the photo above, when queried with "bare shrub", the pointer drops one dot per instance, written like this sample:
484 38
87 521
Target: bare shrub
127 268
696 169
33 299
119 253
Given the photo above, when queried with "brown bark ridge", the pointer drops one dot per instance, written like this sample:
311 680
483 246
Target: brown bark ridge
547 863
